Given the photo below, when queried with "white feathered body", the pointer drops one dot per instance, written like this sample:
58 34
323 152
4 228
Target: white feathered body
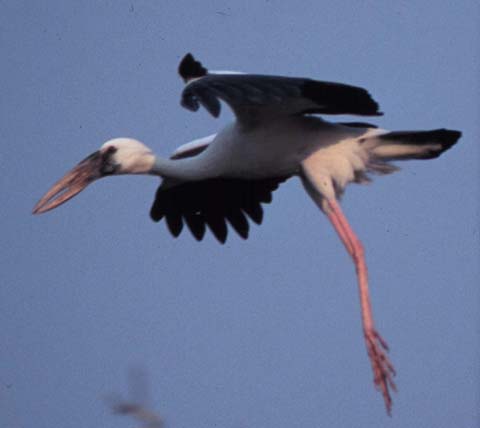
277 148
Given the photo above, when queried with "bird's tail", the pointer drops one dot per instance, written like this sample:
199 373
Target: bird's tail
405 145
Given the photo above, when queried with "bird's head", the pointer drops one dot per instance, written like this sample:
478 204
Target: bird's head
117 156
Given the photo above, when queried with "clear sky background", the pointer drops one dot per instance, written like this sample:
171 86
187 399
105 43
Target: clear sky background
258 333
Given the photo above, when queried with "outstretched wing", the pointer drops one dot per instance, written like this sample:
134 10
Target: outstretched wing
254 95
213 203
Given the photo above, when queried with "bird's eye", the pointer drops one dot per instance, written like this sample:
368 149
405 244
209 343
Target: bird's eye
110 150
108 166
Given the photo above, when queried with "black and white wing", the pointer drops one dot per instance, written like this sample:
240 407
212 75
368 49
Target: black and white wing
215 202
260 95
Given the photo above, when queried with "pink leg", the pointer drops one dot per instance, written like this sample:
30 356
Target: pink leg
383 370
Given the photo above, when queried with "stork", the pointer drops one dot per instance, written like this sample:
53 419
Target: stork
227 176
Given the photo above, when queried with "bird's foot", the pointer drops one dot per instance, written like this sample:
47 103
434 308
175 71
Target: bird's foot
383 370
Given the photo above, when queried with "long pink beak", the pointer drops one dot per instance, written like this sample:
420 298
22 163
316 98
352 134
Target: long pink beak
87 171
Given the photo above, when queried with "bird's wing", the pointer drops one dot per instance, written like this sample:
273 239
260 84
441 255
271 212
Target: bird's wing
213 203
193 148
256 96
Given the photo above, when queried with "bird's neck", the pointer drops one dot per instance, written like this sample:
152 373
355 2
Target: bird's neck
187 169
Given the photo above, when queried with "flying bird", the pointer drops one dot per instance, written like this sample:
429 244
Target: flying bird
224 179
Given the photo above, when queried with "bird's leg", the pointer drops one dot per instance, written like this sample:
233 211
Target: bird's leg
383 370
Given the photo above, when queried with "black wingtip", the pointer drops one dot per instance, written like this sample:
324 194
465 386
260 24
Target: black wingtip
190 68
196 224
215 204
338 98
174 224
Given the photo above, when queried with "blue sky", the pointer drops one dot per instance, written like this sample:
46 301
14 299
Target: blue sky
257 333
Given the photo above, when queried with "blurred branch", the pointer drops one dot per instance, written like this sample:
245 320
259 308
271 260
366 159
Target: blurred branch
137 406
